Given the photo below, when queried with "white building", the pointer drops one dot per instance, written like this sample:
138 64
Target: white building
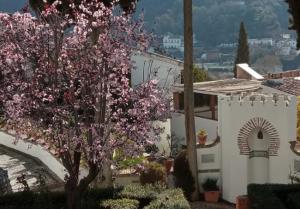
261 42
250 127
173 42
155 66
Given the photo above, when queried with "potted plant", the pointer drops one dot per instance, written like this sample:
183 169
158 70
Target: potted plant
211 190
202 135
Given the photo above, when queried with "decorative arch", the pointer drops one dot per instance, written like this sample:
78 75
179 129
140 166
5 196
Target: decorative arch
252 125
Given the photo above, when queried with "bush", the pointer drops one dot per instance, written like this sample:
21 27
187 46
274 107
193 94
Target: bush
143 193
183 175
169 199
293 200
153 173
54 200
270 196
120 204
210 185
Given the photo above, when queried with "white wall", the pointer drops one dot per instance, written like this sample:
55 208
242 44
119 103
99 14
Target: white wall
205 169
36 151
168 69
233 114
209 170
178 126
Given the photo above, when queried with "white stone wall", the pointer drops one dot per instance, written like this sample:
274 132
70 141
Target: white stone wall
35 151
233 114
178 126
167 70
209 170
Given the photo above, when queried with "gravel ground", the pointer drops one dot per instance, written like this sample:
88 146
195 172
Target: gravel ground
205 205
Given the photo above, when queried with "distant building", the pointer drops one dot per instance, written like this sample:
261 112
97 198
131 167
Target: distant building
261 42
173 42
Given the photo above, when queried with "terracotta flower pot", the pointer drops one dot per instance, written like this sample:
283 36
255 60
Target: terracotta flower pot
212 196
202 139
242 202
168 164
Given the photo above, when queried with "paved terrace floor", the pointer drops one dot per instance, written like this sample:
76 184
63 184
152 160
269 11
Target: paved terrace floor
205 205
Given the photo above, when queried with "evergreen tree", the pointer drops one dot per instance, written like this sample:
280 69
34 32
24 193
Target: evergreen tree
39 5
242 55
294 10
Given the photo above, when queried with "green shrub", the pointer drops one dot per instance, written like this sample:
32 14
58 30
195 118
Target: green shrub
55 200
143 193
210 185
270 196
120 204
183 175
169 199
293 200
153 173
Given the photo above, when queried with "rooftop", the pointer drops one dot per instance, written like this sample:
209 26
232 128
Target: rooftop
287 85
223 87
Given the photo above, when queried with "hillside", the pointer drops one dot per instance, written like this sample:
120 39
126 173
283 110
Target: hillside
217 21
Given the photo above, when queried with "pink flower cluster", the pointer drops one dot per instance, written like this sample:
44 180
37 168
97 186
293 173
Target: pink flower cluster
69 78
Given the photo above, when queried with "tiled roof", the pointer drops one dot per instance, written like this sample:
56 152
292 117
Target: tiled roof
287 85
229 86
285 74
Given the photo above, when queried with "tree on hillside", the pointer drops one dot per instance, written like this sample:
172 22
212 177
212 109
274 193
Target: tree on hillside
199 75
40 5
242 55
294 10
74 92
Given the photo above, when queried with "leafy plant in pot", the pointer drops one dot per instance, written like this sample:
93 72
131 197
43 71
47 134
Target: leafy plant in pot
211 190
202 135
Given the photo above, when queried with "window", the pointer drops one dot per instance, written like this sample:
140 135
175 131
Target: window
208 158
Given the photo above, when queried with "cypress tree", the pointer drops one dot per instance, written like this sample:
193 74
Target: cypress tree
242 55
294 10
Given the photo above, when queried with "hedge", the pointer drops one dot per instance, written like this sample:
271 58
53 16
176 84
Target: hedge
169 199
129 197
54 200
120 204
270 196
143 193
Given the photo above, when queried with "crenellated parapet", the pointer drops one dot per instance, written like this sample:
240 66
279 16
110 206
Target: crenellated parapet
258 99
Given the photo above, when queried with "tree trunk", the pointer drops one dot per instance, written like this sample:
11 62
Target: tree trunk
189 95
73 195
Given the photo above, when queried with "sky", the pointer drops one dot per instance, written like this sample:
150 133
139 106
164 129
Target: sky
11 5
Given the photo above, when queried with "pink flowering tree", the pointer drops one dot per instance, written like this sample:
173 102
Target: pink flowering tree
67 80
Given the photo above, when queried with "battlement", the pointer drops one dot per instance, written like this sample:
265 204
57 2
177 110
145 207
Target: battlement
258 99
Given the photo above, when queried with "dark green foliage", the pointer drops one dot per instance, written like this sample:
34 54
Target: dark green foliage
30 200
129 197
169 199
293 200
153 173
199 75
183 175
268 196
210 185
294 10
242 55
120 204
54 200
144 194
40 5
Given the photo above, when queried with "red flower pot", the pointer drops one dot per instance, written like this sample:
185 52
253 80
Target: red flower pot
168 165
202 139
212 196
